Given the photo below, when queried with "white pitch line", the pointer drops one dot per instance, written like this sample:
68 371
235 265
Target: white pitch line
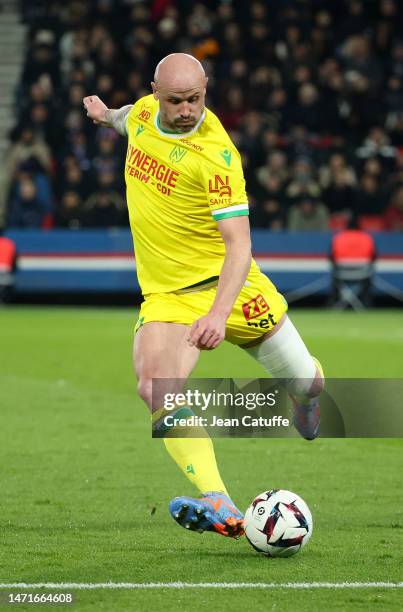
202 585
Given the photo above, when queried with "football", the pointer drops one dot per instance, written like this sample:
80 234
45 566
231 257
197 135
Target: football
278 523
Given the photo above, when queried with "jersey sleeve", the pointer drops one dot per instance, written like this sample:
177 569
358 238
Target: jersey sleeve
224 183
140 115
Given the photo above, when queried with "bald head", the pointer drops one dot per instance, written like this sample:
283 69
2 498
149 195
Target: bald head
180 86
179 71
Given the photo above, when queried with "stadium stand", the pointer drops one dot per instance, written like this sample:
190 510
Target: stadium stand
311 91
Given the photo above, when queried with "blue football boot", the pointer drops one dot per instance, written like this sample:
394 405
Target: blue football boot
307 418
214 511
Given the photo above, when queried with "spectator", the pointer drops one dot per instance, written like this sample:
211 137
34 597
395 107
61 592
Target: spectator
251 127
70 213
79 148
298 143
354 22
303 182
233 109
271 204
105 159
28 154
363 78
377 144
269 141
74 179
393 96
369 198
40 122
40 92
309 111
276 166
394 123
105 209
337 166
277 106
362 69
396 61
308 214
27 146
339 195
27 210
41 60
374 167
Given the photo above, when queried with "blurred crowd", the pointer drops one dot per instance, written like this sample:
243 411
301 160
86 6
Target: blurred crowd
311 92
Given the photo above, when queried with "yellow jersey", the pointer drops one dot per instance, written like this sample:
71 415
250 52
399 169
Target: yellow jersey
178 187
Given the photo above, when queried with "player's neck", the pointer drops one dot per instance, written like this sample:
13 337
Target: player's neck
164 128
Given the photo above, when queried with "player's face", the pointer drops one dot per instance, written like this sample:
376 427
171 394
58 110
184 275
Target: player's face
181 110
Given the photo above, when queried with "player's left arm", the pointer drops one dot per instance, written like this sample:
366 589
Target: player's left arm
209 331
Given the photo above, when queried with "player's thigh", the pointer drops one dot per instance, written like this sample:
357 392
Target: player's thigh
163 360
161 350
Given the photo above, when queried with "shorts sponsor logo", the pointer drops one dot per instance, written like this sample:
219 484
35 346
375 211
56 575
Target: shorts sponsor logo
255 307
266 323
220 186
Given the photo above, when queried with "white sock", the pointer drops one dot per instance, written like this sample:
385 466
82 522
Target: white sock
284 355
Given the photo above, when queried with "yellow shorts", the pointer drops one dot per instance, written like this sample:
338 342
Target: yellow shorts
257 309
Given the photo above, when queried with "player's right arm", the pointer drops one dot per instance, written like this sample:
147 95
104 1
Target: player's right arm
107 117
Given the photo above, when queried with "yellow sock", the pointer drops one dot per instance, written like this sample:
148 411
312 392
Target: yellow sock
196 459
194 455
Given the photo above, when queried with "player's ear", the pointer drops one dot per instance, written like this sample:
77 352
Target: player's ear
154 88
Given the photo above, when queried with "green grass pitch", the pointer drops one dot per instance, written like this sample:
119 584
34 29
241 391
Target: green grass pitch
80 472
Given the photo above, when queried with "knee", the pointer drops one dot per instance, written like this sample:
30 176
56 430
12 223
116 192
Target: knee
144 388
153 390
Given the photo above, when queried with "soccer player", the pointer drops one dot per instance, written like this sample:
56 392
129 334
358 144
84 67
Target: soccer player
188 213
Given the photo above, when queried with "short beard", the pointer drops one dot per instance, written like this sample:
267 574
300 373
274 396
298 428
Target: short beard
184 128
174 127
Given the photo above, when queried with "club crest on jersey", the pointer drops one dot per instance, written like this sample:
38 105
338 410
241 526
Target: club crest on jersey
255 307
220 186
177 154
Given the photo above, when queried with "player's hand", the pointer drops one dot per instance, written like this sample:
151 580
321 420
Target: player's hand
96 109
208 332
